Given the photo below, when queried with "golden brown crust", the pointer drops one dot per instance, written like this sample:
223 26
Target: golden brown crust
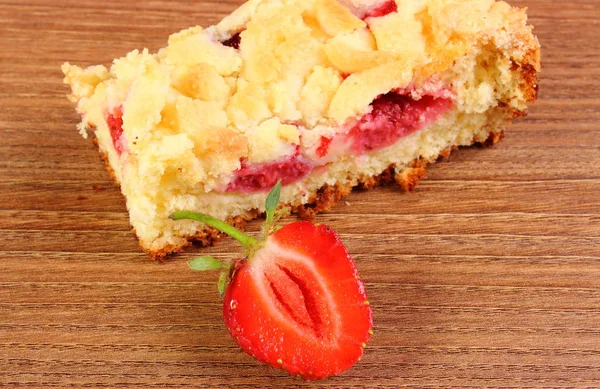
493 138
529 69
408 179
323 200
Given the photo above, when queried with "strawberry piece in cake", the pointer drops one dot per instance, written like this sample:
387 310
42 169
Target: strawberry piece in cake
392 117
263 176
114 122
323 95
382 9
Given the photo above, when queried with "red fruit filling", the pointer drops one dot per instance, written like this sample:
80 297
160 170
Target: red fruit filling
115 126
382 9
234 41
323 146
263 176
393 117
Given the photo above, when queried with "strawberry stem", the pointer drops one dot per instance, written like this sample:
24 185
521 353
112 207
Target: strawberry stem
246 240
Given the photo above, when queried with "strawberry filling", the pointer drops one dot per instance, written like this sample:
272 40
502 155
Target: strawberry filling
382 9
115 127
393 117
263 176
323 146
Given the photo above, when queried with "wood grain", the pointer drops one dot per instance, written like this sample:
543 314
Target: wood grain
487 276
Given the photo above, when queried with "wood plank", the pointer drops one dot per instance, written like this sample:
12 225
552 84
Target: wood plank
487 276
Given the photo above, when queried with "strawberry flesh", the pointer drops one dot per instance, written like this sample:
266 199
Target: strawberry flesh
298 303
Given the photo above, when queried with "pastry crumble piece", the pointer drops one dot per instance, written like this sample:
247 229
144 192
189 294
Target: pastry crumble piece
319 94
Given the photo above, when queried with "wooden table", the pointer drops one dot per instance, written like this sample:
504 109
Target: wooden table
487 276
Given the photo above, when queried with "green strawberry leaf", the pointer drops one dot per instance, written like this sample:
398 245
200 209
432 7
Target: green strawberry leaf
222 284
205 263
271 203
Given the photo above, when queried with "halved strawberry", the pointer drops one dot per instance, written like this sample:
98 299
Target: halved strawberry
295 301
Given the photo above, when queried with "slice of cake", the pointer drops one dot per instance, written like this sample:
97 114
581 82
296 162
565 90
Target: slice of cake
323 95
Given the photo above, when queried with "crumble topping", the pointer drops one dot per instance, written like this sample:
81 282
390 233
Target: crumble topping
248 88
271 140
